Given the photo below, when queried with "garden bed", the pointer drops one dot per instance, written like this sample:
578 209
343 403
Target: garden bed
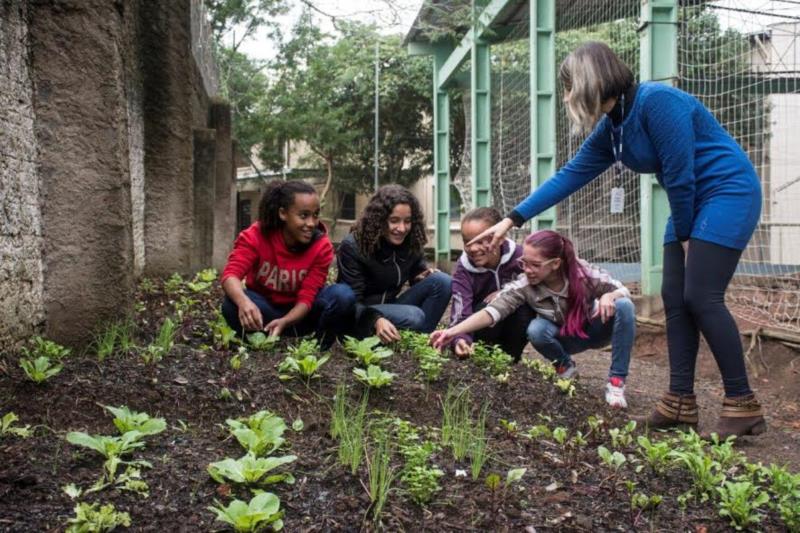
194 387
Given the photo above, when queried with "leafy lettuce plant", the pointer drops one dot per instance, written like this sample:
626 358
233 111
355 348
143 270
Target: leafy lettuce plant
112 448
251 470
89 519
7 427
429 359
40 369
656 454
126 420
260 434
374 376
45 348
305 367
262 510
491 358
202 280
368 351
261 342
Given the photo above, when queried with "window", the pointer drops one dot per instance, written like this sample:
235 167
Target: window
243 217
348 210
455 204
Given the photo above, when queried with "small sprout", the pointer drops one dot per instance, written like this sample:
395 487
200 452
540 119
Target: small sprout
251 470
126 420
492 482
510 426
262 510
614 460
566 386
261 342
88 518
514 475
72 491
368 351
7 426
298 425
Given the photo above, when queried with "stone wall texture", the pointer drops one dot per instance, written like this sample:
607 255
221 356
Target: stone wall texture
21 281
100 101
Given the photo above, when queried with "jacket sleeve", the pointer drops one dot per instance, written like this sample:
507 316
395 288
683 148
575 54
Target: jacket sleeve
317 274
601 282
420 265
242 258
594 157
509 299
351 272
668 122
461 306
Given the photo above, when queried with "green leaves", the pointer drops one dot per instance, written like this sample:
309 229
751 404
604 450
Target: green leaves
251 470
261 342
126 420
429 359
89 519
260 434
373 376
614 460
367 350
740 502
262 510
7 427
491 358
306 367
43 360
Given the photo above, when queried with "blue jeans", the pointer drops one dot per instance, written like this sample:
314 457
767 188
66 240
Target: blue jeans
420 307
545 338
331 312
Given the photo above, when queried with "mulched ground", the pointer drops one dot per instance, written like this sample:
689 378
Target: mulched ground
556 493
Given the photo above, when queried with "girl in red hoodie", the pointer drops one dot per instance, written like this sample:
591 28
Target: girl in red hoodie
284 259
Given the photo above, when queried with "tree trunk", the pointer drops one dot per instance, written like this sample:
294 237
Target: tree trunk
329 165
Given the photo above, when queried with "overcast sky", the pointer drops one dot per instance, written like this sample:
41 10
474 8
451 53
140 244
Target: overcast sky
399 17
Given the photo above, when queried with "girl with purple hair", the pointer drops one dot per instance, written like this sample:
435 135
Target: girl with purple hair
578 307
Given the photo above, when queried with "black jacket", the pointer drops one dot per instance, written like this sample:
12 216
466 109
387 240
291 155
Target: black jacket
377 279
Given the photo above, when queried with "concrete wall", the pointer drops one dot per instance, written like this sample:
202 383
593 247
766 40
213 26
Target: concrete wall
99 105
82 131
21 280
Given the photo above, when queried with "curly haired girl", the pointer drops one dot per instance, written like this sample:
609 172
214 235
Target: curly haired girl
383 252
284 259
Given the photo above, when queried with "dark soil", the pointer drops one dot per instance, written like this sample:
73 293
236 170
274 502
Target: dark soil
556 493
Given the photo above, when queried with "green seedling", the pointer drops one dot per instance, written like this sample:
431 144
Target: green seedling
566 386
740 502
429 359
162 344
7 427
174 284
479 445
306 367
510 426
622 437
262 510
374 376
514 476
705 472
40 369
112 448
91 519
260 434
655 454
45 348
349 426
251 470
223 334
613 460
305 348
380 473
126 420
368 351
262 342
491 358
421 480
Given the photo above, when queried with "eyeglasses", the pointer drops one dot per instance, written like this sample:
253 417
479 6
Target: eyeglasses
526 265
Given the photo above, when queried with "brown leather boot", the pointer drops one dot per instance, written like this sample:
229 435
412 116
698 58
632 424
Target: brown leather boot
672 411
741 416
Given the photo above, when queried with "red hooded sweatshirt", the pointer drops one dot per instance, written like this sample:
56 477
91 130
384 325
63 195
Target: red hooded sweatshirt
282 276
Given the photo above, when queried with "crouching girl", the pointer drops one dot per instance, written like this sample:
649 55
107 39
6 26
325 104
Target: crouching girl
284 258
383 253
578 307
480 274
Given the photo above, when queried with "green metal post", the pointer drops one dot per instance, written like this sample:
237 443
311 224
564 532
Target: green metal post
441 160
659 62
481 110
543 99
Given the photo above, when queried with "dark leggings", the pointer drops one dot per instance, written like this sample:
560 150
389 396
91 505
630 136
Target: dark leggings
694 302
509 333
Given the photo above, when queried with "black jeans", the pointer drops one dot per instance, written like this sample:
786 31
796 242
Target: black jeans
694 302
510 333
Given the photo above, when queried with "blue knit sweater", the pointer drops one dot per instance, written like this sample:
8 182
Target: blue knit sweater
713 190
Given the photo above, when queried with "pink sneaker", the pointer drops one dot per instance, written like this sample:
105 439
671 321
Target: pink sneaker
615 393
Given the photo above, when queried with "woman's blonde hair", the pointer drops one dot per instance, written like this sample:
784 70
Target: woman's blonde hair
591 75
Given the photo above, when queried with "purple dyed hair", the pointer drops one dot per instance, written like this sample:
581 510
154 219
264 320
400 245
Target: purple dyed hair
551 245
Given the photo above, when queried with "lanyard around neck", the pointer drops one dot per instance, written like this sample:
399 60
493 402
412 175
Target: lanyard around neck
617 147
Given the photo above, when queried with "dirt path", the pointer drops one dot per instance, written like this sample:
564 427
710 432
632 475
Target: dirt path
774 375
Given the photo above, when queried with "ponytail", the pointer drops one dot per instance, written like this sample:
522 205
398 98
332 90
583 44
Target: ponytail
552 245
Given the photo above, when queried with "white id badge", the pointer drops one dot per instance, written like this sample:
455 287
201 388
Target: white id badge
617 199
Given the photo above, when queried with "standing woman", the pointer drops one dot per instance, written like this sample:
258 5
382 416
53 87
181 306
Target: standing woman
383 252
715 201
